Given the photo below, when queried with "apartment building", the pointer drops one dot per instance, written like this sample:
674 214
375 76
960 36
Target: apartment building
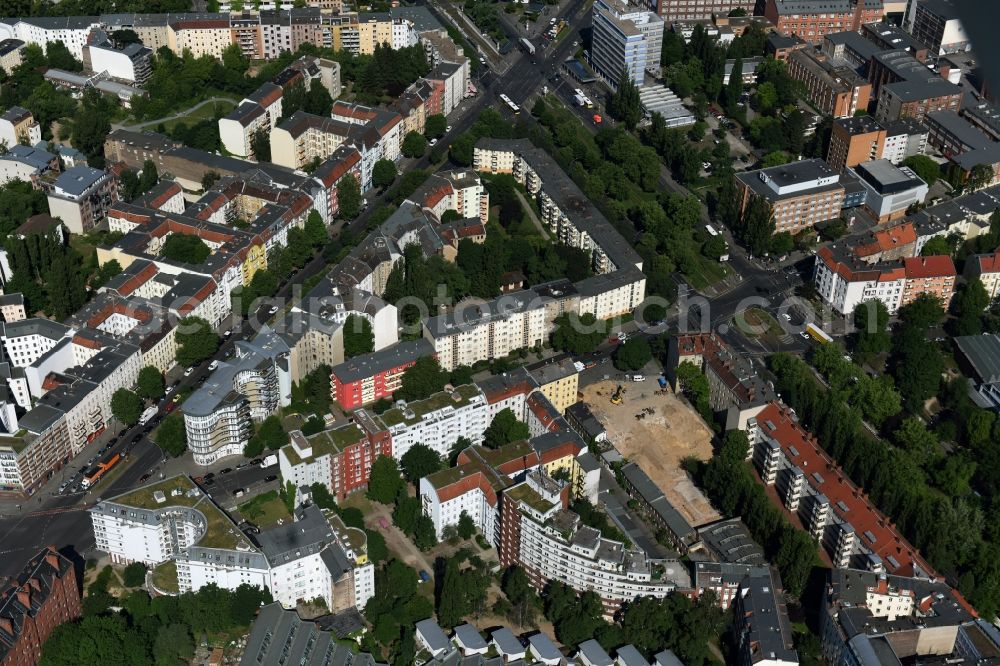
174 525
10 54
904 138
132 63
376 375
834 88
620 285
673 10
906 88
852 530
480 331
257 113
735 387
800 194
625 39
853 141
539 534
72 31
19 127
929 275
985 268
558 381
891 190
937 24
12 308
38 449
219 416
81 197
891 243
763 629
844 280
437 421
39 598
881 618
461 191
811 20
339 459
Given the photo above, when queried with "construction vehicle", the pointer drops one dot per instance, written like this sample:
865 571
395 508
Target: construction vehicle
618 396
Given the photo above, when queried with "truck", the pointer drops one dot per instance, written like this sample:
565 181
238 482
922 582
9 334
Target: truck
95 473
148 415
528 46
580 100
818 334
269 460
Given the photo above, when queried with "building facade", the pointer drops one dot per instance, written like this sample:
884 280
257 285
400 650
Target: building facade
800 194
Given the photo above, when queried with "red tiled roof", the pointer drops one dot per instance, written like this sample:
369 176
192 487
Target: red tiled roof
928 267
888 239
839 490
989 263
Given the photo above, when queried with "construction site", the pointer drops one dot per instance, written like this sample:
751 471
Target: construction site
653 428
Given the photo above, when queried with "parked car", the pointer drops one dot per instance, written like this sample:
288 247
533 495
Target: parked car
424 577
188 371
239 492
226 470
213 365
145 477
269 478
273 310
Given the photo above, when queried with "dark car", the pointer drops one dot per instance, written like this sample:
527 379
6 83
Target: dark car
226 471
269 478
210 475
137 438
209 482
145 477
255 461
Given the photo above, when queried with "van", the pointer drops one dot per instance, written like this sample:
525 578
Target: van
638 378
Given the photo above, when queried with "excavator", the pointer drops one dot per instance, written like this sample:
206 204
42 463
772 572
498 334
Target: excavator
618 396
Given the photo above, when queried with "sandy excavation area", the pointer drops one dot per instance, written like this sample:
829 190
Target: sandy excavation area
659 441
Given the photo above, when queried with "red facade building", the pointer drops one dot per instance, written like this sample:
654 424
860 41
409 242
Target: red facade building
39 599
370 377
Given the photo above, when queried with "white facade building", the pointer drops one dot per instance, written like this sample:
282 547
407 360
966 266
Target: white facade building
625 38
437 421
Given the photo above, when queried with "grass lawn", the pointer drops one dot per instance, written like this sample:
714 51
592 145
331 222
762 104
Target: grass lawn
708 272
165 577
756 322
207 112
265 509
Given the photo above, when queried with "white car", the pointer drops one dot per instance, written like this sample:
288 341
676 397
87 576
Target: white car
227 333
786 316
433 142
213 365
188 371
706 165
448 128
273 310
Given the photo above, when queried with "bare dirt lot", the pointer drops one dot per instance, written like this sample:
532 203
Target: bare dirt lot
659 441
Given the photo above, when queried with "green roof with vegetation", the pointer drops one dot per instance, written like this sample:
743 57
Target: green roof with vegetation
326 442
461 396
526 495
165 577
220 531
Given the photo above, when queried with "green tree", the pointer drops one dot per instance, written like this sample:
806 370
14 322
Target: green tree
134 575
424 535
209 179
435 126
633 354
459 445
150 383
937 245
270 435
260 145
384 482
173 642
625 104
318 101
171 436
196 341
504 429
414 145
383 173
64 286
734 88
377 550
419 461
185 249
322 497
422 379
970 304
578 334
876 397
757 227
358 336
315 229
466 526
980 176
348 197
126 406
871 319
927 169
452 604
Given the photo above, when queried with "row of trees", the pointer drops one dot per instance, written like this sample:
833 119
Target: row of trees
385 485
911 479
160 630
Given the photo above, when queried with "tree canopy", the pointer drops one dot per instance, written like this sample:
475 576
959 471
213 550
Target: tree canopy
126 406
419 461
171 436
150 383
196 341
358 336
185 249
384 482
504 429
422 379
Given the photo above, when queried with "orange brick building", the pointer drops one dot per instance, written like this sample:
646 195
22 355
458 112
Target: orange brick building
813 19
853 141
39 599
929 275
